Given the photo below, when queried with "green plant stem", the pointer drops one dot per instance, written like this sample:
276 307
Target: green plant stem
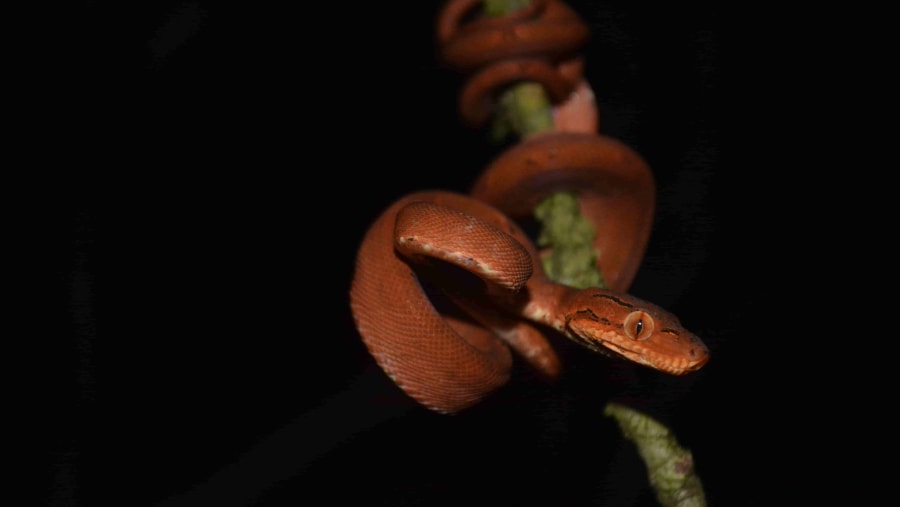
670 467
501 7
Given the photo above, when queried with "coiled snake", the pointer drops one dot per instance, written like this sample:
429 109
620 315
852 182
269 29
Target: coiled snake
446 284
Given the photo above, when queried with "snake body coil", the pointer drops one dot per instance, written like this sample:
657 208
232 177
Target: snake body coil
537 43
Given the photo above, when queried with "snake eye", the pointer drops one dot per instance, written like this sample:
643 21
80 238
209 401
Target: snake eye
638 325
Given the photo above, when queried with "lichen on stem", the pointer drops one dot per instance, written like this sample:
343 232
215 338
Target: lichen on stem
670 467
570 257
501 7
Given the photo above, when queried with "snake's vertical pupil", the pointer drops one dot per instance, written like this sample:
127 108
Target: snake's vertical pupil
638 327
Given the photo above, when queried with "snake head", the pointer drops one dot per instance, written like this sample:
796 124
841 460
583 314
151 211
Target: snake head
628 327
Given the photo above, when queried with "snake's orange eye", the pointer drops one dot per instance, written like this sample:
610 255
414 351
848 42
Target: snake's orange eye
638 325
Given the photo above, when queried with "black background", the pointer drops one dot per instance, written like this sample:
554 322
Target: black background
225 160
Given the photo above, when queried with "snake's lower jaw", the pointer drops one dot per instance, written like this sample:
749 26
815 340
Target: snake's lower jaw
611 343
690 362
675 367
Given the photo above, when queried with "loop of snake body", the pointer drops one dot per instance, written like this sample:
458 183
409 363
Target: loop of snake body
537 43
446 284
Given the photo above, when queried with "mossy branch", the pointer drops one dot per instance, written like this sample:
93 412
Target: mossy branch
523 109
571 259
670 467
501 7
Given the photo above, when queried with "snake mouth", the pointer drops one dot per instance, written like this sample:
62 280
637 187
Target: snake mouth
674 365
613 344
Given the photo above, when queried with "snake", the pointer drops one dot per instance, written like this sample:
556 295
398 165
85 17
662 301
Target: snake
447 286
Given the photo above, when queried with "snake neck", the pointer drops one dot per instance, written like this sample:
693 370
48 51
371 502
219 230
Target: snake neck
541 302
